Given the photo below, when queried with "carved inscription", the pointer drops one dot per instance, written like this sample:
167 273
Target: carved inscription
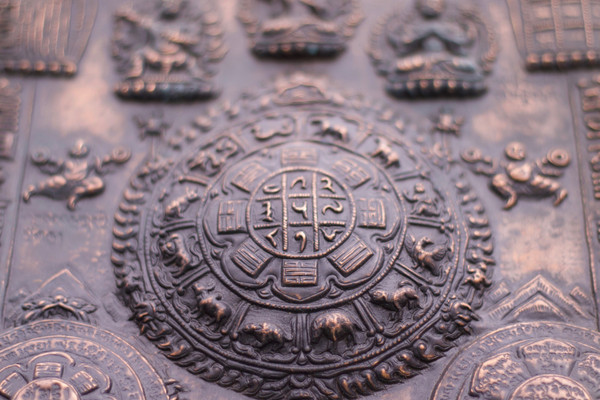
321 251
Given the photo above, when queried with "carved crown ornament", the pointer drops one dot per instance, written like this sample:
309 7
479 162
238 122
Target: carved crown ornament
301 246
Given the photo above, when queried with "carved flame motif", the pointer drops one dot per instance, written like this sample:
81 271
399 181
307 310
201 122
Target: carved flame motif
307 241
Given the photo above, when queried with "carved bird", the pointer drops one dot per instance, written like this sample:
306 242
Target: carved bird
425 254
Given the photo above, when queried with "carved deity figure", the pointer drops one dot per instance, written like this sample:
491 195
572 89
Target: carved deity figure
287 14
170 42
75 177
438 48
162 50
299 27
435 42
520 177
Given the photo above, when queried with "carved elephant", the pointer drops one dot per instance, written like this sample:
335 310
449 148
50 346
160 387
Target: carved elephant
335 327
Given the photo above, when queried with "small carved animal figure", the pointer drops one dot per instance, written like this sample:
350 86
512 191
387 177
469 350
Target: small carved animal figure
174 252
405 297
338 132
425 255
335 327
177 207
267 333
384 151
212 304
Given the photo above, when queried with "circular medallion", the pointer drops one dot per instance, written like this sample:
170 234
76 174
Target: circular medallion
305 244
62 360
526 361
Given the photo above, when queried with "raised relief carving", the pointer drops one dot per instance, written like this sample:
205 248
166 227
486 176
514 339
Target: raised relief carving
557 34
10 105
275 246
63 360
50 40
167 49
437 47
62 296
518 177
540 299
288 28
76 177
585 98
537 360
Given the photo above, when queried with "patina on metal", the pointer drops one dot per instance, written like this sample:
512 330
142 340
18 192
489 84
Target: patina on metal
299 199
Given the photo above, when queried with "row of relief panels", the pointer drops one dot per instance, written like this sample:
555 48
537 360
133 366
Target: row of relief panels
427 48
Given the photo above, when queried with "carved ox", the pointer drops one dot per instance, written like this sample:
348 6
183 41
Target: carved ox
405 297
335 327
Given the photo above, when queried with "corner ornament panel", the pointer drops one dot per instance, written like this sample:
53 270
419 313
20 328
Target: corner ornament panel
432 48
53 359
304 250
536 361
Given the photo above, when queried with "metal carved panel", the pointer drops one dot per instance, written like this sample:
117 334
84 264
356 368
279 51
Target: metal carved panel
299 199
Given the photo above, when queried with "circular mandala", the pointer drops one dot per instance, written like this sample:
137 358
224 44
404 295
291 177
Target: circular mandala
305 245
529 361
72 361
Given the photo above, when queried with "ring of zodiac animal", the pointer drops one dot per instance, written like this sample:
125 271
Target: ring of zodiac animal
76 177
519 177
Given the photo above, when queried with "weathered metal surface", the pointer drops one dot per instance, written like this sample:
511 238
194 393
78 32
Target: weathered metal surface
299 199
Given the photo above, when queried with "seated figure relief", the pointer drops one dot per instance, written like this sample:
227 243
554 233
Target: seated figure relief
165 49
289 28
435 49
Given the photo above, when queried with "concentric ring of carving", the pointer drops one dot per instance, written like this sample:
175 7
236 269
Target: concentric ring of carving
305 245
532 361
308 240
72 361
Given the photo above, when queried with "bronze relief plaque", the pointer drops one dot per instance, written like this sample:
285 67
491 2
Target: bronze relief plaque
299 199
302 248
